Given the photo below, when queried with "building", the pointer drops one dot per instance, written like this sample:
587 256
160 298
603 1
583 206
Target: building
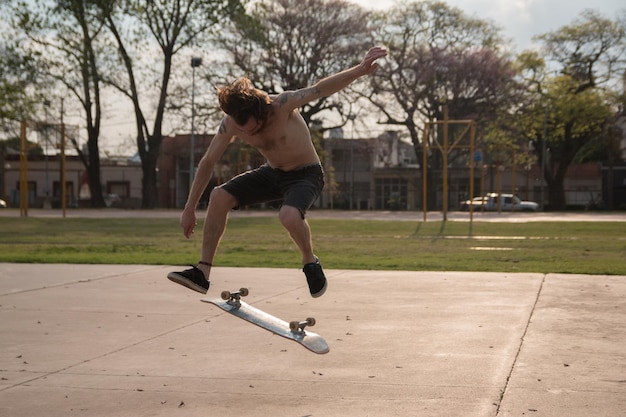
371 174
121 180
380 173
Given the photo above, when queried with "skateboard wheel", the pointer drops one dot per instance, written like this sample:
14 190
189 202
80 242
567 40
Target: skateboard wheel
310 321
244 292
225 295
294 326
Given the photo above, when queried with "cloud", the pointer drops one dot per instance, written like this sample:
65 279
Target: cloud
520 8
520 20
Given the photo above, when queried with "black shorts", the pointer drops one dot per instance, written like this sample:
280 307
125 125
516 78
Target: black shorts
298 188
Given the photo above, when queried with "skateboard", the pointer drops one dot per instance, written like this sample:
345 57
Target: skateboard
295 330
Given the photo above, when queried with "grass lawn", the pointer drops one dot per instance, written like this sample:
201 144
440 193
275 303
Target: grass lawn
566 247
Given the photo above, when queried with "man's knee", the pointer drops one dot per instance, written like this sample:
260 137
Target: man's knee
290 217
222 200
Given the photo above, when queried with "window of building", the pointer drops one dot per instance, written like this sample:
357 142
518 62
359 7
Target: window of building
391 193
120 188
69 189
32 192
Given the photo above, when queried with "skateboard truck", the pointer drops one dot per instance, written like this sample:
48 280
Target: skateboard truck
234 298
298 326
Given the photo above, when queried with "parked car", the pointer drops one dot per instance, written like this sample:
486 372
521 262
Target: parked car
3 204
508 202
476 203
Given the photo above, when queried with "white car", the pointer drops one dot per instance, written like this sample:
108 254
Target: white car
476 203
3 204
508 202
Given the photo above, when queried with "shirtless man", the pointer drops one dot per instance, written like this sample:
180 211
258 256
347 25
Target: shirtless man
293 173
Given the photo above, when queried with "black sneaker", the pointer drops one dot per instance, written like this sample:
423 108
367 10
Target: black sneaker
315 278
191 278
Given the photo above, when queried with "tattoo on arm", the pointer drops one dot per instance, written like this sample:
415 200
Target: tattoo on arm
308 91
300 94
222 128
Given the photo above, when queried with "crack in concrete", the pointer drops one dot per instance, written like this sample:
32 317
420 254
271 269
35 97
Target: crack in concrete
519 349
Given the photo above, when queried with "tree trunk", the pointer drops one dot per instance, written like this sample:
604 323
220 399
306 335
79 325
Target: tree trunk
556 195
149 189
93 169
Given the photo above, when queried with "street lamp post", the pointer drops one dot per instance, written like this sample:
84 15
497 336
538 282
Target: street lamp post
351 117
195 62
543 157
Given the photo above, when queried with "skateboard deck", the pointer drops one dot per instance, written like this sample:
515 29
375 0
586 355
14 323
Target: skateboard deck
295 330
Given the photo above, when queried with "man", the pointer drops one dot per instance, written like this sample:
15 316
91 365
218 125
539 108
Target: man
293 173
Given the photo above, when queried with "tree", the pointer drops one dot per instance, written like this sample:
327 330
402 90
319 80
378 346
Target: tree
438 56
64 36
289 44
572 119
171 26
18 77
576 104
14 144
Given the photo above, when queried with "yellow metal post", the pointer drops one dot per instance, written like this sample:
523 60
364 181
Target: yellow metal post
499 168
513 182
23 171
425 169
63 184
445 148
482 185
445 162
471 190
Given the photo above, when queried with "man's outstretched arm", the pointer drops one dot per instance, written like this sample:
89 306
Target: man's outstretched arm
333 83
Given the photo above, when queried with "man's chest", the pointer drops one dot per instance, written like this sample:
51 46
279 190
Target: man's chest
265 142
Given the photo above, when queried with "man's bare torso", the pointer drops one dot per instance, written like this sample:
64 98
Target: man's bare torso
284 140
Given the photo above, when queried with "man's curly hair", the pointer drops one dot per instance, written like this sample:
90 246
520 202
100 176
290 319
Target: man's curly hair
241 100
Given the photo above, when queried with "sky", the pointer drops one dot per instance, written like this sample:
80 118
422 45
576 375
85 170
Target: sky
522 19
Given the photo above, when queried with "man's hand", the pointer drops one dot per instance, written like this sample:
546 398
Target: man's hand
368 64
188 222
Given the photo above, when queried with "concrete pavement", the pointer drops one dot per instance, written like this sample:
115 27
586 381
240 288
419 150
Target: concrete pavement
97 340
